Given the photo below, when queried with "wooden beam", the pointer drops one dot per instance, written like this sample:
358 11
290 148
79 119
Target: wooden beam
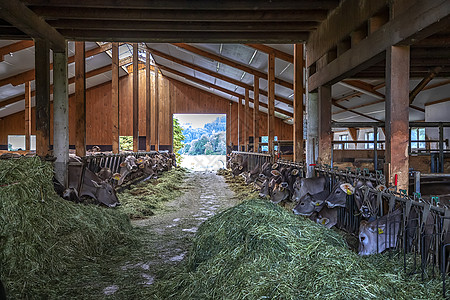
199 4
156 111
298 102
239 123
135 98
27 115
233 64
217 87
20 16
423 83
437 101
29 75
169 26
246 120
355 112
14 47
148 104
271 102
256 114
175 14
115 98
42 111
214 74
421 20
362 87
266 49
397 114
325 133
80 99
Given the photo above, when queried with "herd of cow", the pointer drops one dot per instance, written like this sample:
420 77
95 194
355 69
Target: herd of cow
313 198
99 183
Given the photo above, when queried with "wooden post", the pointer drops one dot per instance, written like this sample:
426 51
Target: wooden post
80 99
325 134
61 116
42 66
135 98
271 102
239 123
298 102
312 145
397 113
148 104
246 120
255 114
115 98
156 109
27 115
229 142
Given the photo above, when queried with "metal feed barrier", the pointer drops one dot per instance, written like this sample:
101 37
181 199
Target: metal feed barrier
109 160
255 159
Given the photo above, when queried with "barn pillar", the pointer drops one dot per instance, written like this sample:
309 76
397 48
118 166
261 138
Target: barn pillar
325 134
397 114
115 98
27 115
239 131
312 139
60 116
271 102
298 102
135 98
148 102
246 120
80 99
256 114
42 67
156 113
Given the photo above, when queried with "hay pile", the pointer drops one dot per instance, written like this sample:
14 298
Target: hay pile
147 196
237 185
257 250
42 236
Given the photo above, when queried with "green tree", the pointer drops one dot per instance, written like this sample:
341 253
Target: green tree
178 139
126 143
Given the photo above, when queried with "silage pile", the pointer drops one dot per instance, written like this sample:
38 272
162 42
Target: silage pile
42 235
257 250
143 199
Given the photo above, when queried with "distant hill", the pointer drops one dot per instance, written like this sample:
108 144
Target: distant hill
209 140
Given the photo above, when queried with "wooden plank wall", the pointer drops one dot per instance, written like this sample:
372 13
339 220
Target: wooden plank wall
175 98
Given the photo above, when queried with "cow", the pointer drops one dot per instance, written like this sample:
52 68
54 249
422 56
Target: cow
91 185
105 174
338 196
127 167
327 217
383 232
309 204
302 186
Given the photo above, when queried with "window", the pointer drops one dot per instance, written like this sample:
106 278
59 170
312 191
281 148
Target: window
343 137
17 142
369 137
417 134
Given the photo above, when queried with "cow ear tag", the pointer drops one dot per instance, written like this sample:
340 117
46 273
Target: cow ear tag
140 160
324 221
124 164
141 166
294 172
348 188
116 176
380 231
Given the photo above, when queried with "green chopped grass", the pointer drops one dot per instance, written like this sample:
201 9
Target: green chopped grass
257 250
42 235
142 200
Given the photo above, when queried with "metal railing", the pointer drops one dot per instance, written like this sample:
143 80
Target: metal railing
109 160
255 159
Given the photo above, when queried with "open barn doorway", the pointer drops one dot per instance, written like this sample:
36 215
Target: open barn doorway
200 140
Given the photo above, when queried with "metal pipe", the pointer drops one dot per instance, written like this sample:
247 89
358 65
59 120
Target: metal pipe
375 146
441 148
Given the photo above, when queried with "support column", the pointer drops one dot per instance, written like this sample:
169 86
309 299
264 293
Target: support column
239 131
298 102
246 120
325 134
148 104
312 139
135 98
42 110
156 109
229 142
256 114
271 102
27 115
61 116
397 114
80 99
115 98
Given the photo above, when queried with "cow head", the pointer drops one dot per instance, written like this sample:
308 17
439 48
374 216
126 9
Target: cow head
307 205
338 196
280 192
105 194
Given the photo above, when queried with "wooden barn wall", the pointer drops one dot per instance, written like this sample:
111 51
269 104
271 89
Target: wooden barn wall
175 98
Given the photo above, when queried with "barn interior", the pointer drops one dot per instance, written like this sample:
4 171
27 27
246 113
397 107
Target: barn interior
358 86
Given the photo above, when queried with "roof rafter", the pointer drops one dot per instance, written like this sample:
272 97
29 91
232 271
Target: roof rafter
279 54
353 111
14 47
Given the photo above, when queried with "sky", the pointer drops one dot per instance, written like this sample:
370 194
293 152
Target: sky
196 120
